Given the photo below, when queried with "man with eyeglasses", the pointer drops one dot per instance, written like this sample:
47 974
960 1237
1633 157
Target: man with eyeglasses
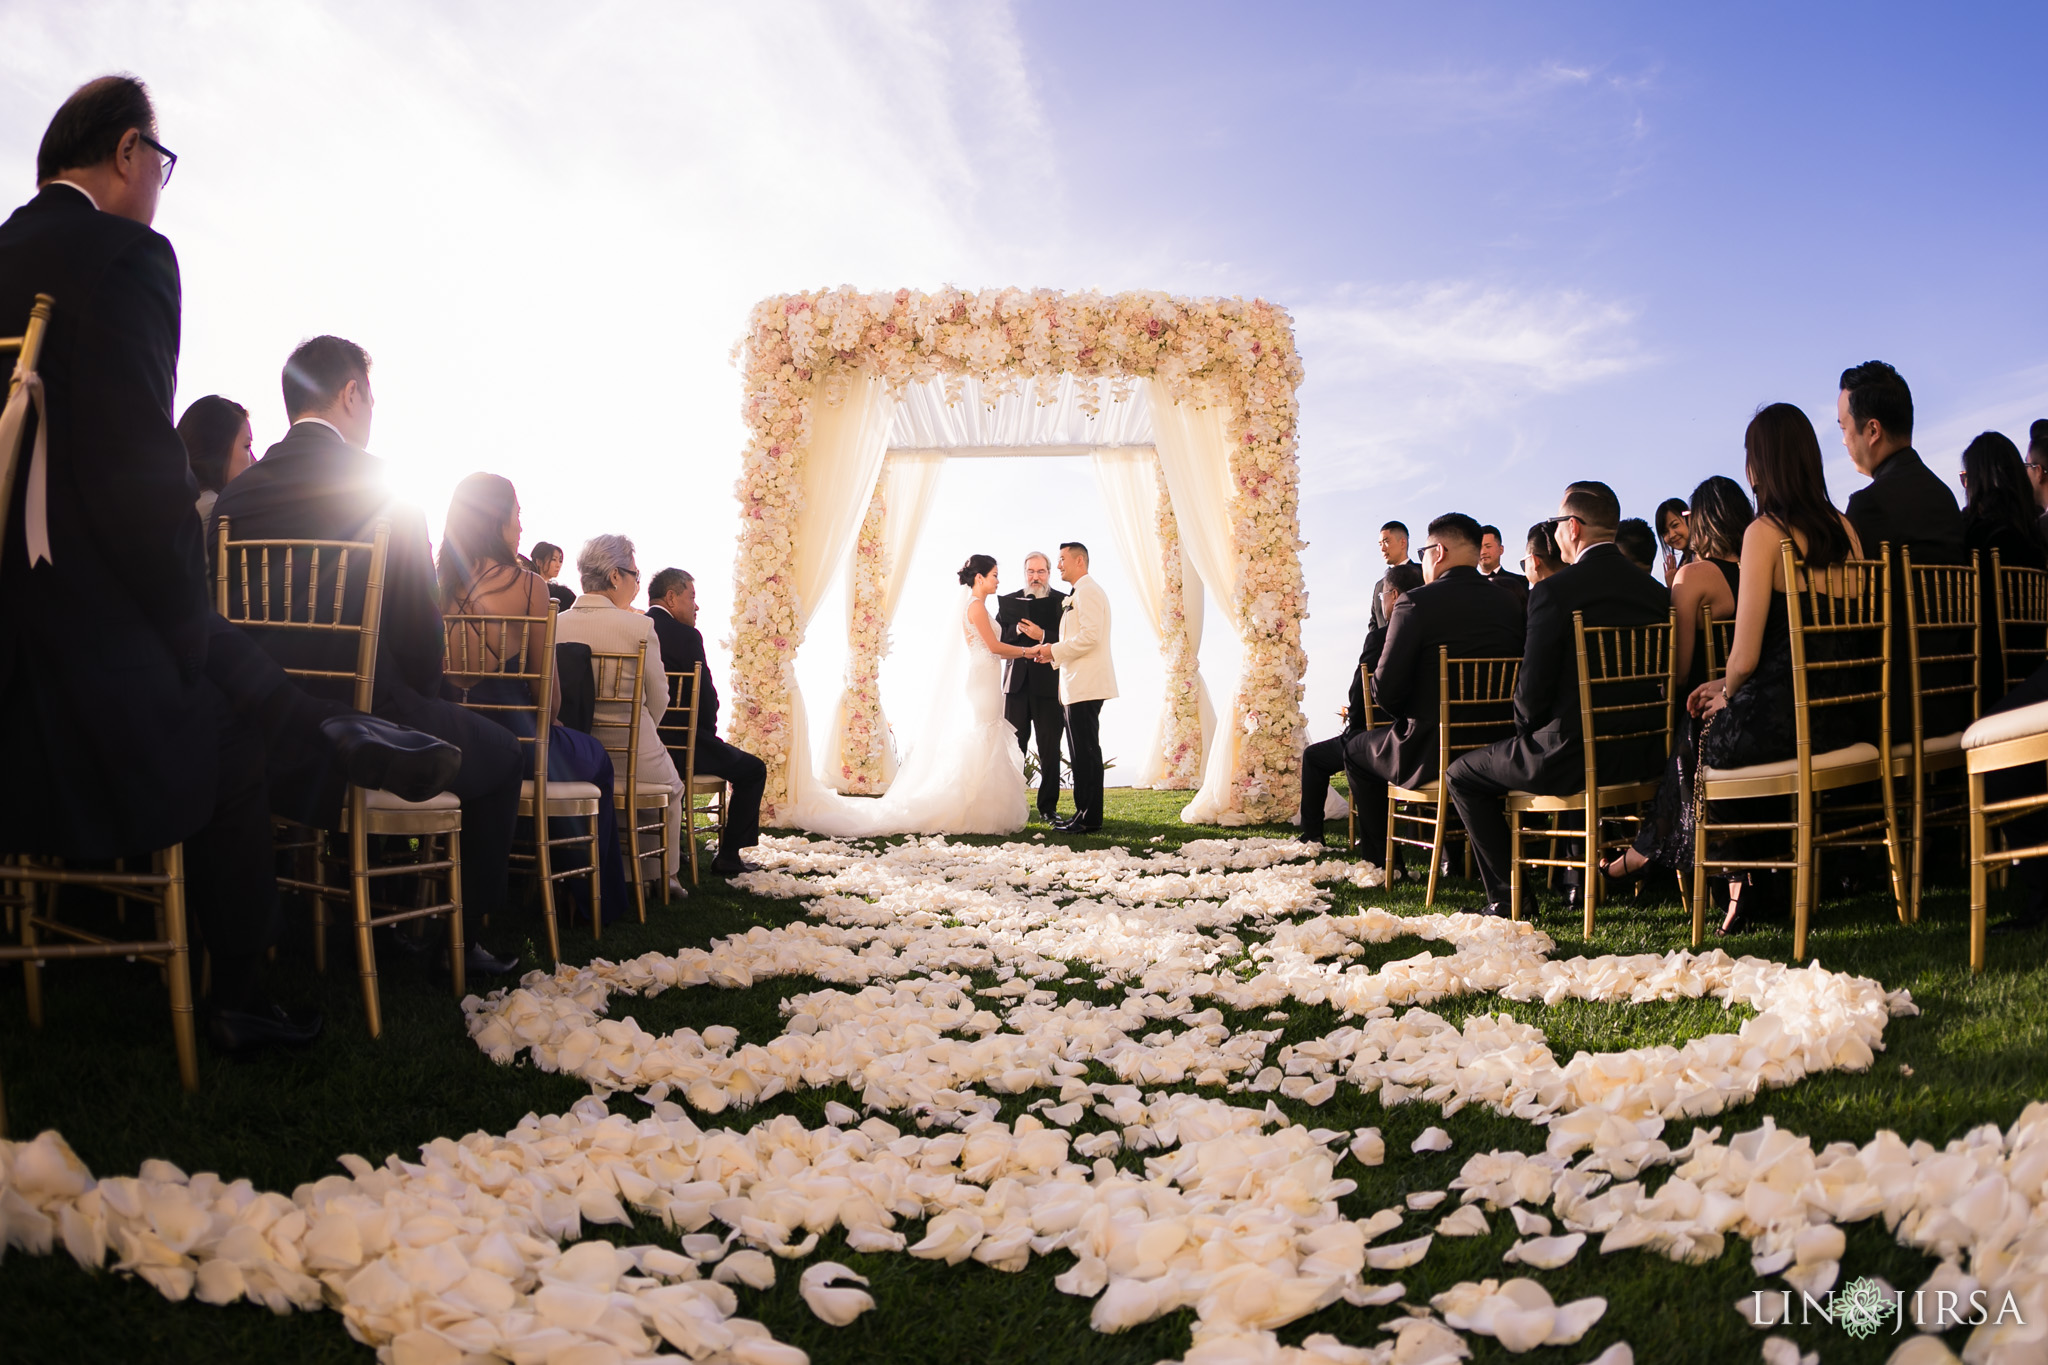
1544 755
2037 468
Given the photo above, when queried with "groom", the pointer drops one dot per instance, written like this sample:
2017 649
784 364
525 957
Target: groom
1031 690
1087 679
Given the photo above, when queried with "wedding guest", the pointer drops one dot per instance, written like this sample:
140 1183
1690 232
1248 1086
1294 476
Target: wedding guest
2037 468
1087 680
1544 754
217 440
1402 578
119 738
604 619
1676 534
1745 717
478 576
1540 555
546 559
1031 690
1906 505
674 593
1491 548
1455 607
1635 541
319 483
2000 517
1393 549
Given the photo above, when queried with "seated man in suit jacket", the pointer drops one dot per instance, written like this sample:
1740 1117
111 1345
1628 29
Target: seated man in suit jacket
1456 607
673 594
1031 690
318 483
1906 506
1398 581
1544 755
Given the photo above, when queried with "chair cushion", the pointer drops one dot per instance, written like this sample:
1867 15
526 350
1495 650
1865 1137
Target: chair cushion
382 800
1785 767
701 783
651 797
563 791
2019 723
1938 744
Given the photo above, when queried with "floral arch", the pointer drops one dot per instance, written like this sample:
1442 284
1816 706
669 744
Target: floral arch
824 375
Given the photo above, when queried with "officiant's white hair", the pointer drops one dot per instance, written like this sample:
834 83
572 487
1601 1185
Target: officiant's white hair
1042 557
600 558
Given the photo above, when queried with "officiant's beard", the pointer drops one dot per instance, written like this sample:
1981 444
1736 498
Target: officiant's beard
1038 589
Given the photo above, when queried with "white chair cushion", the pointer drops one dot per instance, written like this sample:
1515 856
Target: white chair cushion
1938 744
380 800
563 791
2020 723
1785 767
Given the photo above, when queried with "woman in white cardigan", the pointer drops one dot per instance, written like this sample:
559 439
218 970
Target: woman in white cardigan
603 618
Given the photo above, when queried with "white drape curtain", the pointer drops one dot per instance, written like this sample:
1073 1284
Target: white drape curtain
1194 452
1130 487
1017 423
848 440
909 481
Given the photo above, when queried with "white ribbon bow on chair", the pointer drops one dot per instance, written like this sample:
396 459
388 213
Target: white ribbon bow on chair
36 498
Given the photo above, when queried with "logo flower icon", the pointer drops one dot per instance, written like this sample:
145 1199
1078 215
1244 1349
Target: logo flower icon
1863 1307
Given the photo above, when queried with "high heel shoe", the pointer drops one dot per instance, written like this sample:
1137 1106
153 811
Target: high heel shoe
1736 918
1615 878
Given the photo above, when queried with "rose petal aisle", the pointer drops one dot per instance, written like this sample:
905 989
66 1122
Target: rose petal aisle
1002 1117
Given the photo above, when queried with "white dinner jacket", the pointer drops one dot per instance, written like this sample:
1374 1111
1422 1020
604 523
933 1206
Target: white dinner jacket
611 629
1082 652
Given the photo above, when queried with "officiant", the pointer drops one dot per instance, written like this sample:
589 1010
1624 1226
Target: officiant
1031 691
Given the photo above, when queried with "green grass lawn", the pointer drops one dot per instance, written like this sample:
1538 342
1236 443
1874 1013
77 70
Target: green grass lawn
101 1071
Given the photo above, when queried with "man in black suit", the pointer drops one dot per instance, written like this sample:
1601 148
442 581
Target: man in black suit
319 483
1393 549
1031 690
1544 755
673 597
1457 608
131 716
1906 505
1490 549
1400 580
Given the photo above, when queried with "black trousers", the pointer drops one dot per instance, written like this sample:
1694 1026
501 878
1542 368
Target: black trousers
1480 782
1084 742
1320 762
230 874
1029 711
749 778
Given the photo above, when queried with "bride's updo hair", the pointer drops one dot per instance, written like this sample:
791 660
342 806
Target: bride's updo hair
975 567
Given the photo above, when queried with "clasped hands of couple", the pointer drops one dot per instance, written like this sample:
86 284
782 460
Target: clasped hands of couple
1042 654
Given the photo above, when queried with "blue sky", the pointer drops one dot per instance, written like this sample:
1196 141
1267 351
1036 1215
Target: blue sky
1522 244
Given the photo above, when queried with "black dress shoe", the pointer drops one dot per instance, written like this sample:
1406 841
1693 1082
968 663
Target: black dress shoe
477 960
1491 909
382 756
263 1024
737 867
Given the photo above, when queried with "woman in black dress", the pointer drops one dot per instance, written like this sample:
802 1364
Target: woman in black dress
1744 717
2000 516
1719 516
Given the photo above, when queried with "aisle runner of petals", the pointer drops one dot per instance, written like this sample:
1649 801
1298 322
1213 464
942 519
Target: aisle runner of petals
470 1254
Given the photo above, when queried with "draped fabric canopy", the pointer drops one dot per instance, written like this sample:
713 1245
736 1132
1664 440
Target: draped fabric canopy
966 422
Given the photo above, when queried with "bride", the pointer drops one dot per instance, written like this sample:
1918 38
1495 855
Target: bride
965 773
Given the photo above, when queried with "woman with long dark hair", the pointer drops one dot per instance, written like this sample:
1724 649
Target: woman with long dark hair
480 575
2000 516
218 445
1745 716
1673 524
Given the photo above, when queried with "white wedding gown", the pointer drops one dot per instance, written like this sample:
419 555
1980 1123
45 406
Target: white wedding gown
964 774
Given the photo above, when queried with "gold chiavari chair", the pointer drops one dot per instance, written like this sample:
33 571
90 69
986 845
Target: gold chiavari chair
281 589
1367 722
678 732
1840 636
491 661
2006 739
1717 638
2020 602
621 683
1627 704
23 877
1944 651
1475 707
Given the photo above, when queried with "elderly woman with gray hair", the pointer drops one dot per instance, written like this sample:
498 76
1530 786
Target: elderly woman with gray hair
603 619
